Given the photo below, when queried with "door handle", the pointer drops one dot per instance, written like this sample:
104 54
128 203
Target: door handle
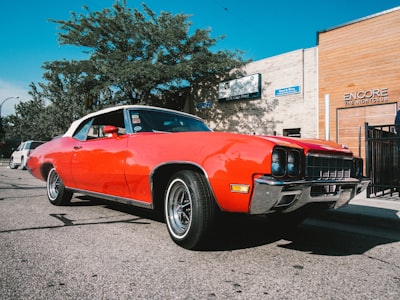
77 147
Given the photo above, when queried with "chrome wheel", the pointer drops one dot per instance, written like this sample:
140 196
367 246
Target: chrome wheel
53 185
189 209
178 208
56 191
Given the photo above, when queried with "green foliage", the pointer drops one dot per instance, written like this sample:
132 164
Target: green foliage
133 57
29 122
141 57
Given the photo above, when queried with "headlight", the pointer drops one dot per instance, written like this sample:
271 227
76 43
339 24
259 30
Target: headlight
286 162
293 163
278 162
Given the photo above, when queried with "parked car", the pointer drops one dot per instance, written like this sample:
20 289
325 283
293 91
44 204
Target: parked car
20 156
162 159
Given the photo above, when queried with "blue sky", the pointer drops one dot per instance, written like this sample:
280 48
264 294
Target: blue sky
261 28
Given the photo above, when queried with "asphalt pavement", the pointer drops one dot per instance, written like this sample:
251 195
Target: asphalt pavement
382 211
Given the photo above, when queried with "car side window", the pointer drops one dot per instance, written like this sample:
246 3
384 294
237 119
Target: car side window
82 131
94 128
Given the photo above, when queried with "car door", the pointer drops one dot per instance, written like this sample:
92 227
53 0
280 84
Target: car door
98 160
18 153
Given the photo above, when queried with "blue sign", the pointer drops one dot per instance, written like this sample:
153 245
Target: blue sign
203 105
288 91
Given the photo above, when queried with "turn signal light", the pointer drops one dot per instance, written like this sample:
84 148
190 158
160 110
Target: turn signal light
240 188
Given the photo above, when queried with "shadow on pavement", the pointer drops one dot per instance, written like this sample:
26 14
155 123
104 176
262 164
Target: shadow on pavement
233 232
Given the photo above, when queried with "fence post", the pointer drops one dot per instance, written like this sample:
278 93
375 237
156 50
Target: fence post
367 159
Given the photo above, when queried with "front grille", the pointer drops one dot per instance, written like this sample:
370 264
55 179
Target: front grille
327 167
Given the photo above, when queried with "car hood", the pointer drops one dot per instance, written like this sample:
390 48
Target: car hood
227 138
308 145
311 145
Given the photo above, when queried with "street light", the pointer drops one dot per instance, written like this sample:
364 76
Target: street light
1 105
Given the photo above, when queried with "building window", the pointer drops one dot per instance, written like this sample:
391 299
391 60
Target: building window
292 132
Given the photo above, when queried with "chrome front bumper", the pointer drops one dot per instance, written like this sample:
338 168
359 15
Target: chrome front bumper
274 195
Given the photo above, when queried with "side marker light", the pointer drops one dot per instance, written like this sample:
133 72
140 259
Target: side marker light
240 188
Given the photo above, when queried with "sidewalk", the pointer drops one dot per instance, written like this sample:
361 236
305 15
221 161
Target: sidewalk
378 211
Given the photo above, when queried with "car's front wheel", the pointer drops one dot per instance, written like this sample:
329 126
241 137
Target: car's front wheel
11 164
56 191
189 209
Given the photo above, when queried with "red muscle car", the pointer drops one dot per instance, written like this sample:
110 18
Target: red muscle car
164 159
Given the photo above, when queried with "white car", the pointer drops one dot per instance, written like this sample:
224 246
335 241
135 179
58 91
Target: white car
20 156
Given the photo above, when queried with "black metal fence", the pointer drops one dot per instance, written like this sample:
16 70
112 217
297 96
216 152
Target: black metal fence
382 160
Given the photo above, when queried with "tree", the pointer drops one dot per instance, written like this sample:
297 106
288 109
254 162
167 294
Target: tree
139 57
133 57
29 122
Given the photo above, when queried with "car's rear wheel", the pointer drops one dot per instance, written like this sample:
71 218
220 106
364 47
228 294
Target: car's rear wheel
22 165
189 209
56 191
11 164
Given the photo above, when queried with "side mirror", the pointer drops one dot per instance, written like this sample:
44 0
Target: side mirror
113 130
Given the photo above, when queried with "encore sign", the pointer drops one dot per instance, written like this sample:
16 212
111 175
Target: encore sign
365 97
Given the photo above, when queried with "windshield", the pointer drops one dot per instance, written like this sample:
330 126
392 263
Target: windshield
161 121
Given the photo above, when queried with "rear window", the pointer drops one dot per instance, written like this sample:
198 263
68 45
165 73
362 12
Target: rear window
34 145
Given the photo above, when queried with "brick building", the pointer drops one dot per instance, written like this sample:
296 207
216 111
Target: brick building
359 68
288 92
329 91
